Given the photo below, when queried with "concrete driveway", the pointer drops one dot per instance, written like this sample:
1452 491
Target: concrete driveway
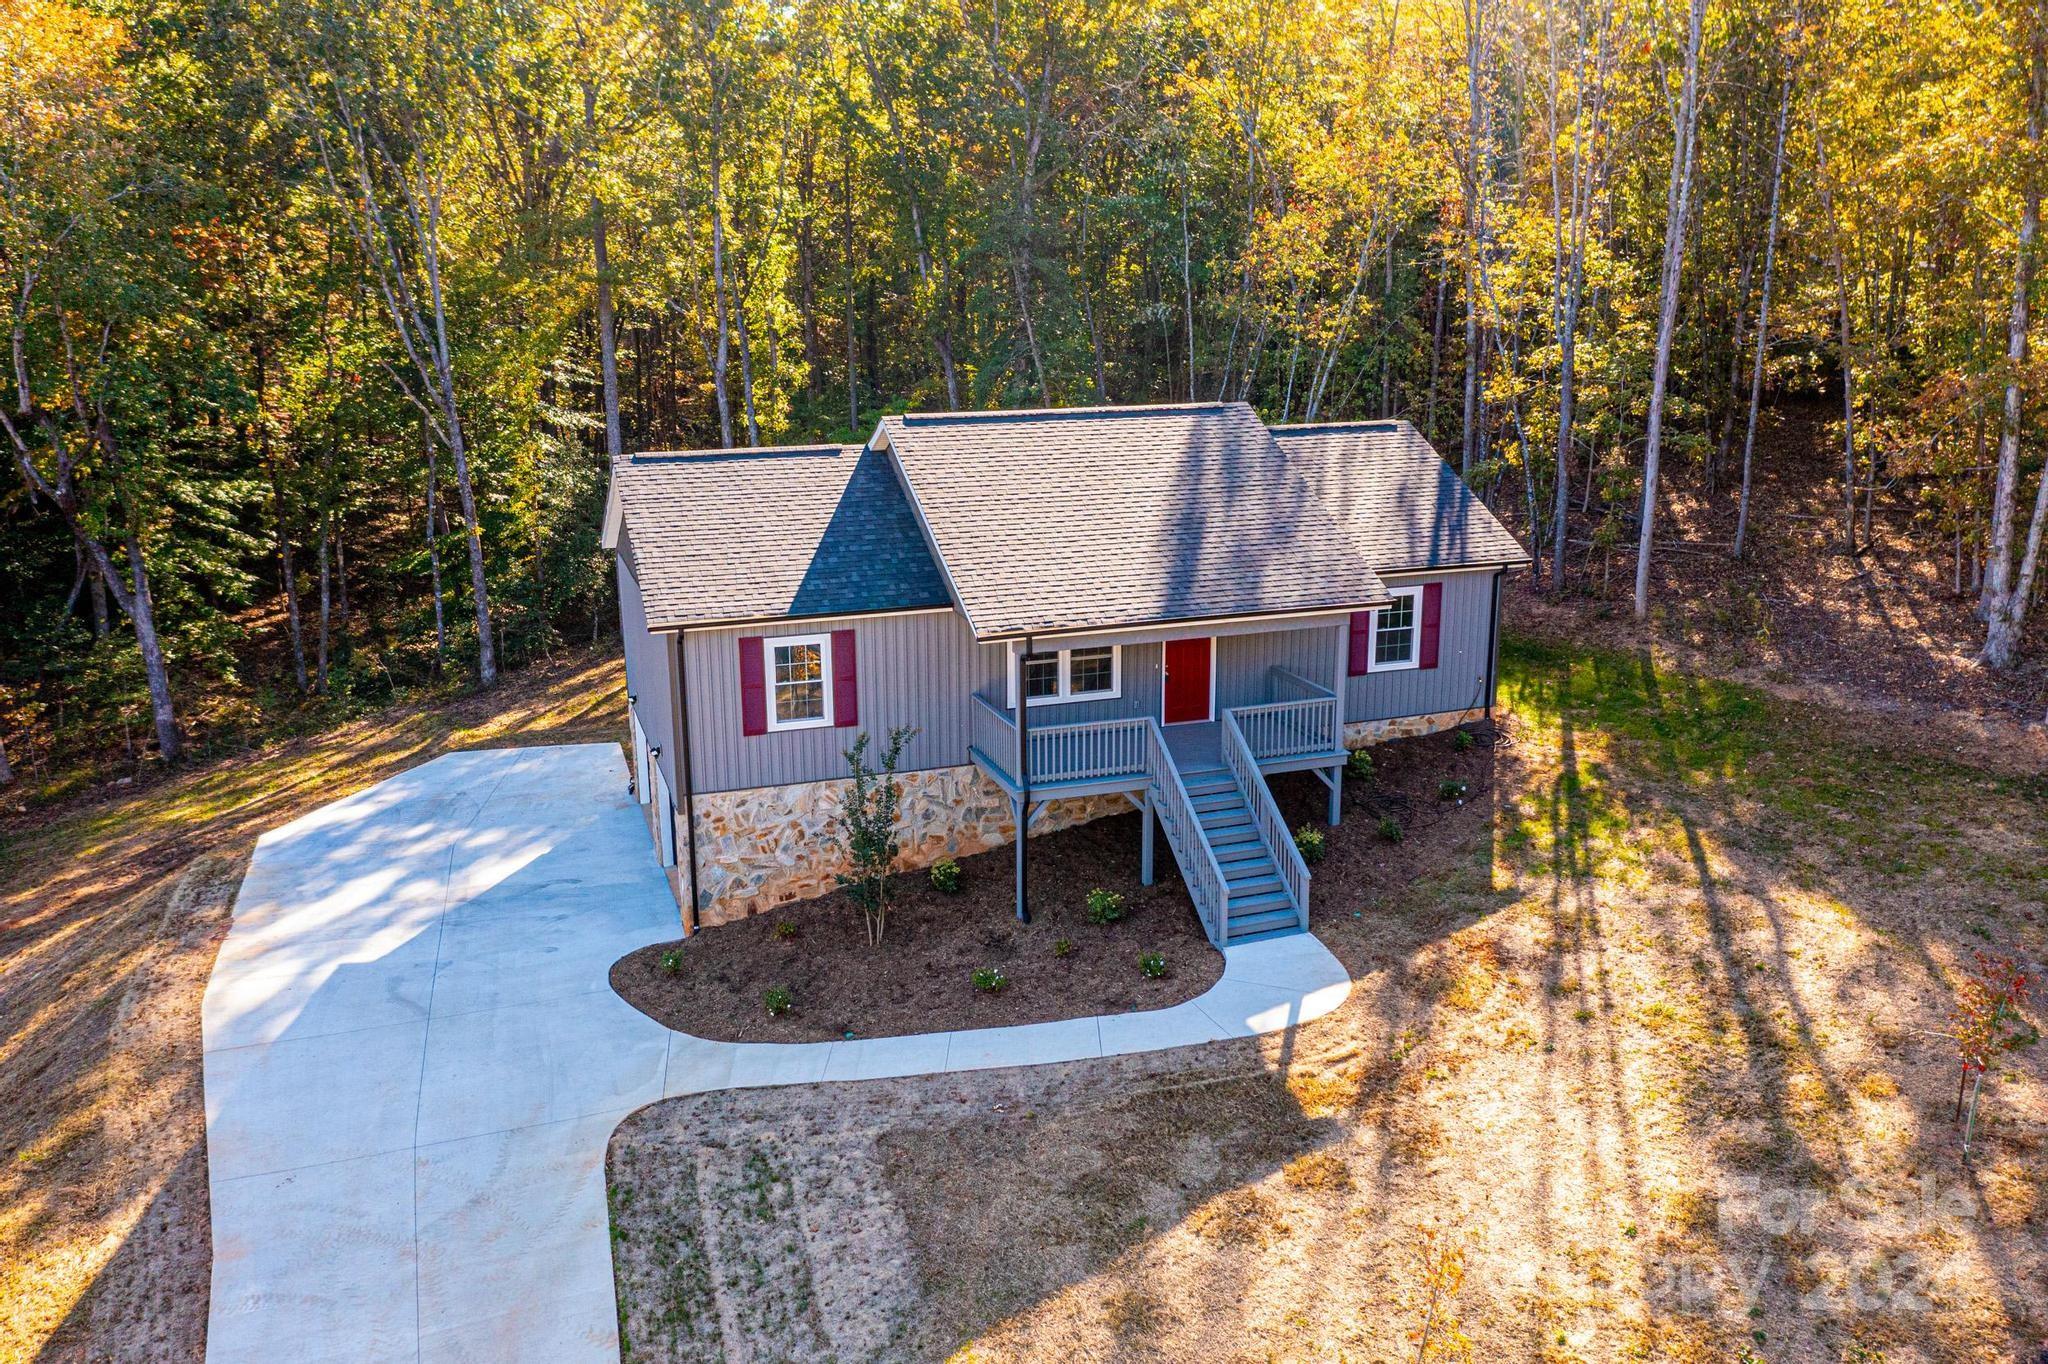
414 1062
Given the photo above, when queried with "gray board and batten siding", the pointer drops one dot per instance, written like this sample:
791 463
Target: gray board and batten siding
650 678
924 669
1465 643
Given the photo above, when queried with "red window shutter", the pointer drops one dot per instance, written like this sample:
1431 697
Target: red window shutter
845 680
1432 622
1361 643
753 688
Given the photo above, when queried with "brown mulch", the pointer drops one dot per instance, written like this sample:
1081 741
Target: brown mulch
920 979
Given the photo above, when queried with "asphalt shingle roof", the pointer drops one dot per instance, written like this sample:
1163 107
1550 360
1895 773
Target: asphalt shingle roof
1401 505
731 535
1097 518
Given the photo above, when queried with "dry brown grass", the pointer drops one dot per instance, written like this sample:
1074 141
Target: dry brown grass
110 913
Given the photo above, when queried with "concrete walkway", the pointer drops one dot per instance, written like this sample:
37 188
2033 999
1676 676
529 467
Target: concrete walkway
414 1062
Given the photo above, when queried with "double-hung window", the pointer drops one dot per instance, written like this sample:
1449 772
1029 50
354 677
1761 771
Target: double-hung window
1092 674
799 681
1395 629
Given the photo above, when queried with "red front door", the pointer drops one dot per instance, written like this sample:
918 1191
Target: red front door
1187 679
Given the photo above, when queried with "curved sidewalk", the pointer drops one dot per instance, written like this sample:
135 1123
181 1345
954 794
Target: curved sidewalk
414 1062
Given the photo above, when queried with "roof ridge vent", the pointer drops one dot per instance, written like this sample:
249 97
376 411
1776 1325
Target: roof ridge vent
1062 413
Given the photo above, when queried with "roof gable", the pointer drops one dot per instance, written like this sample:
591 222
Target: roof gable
737 535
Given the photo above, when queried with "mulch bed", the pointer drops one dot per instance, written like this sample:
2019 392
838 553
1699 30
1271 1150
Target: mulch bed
920 979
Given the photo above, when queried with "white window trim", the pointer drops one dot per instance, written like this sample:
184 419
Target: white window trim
768 647
1414 659
1065 696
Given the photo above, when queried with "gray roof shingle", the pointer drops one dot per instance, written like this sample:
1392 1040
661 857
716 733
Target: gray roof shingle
1403 507
733 535
1097 518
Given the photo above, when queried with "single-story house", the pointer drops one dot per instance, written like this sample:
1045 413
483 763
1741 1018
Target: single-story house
1187 599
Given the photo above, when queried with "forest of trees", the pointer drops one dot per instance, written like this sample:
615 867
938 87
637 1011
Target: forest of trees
326 315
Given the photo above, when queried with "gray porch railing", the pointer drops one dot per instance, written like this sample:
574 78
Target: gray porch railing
1197 860
1285 729
1244 771
1082 752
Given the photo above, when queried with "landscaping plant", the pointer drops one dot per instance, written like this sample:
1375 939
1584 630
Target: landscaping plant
1462 740
867 829
990 979
1987 1011
1063 947
1450 788
945 875
672 962
1359 765
785 930
1152 965
1390 829
777 999
1311 843
1104 906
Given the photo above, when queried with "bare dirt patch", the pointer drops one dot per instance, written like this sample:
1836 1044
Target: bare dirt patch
1648 1028
112 906
920 978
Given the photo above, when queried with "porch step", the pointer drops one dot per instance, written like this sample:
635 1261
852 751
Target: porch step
1217 801
1243 905
1285 930
1271 923
1209 785
1235 854
1248 869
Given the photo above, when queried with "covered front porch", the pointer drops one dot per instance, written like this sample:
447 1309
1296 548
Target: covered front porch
1194 767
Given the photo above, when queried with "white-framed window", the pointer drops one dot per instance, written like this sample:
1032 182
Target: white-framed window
1397 631
799 680
1050 679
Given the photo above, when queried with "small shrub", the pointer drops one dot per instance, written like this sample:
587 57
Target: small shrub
672 962
1063 947
990 979
1390 829
1152 965
945 875
1311 843
1450 788
777 1000
1104 906
785 930
1360 765
1462 740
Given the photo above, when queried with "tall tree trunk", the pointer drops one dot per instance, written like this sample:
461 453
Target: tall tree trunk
2006 600
286 569
1827 202
1475 229
6 768
1763 316
607 325
326 609
1677 207
722 347
142 611
434 550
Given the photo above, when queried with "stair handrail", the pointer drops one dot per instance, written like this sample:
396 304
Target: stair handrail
1199 867
1272 829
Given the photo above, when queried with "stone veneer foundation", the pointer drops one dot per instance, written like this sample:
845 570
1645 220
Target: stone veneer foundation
764 847
1359 733
767 846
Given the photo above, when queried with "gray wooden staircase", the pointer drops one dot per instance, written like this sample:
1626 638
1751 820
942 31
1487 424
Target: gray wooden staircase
1258 905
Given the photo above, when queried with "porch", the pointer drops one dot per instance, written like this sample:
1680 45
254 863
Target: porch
1200 781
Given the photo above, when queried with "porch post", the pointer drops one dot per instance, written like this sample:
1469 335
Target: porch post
1023 787
1145 843
1336 795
